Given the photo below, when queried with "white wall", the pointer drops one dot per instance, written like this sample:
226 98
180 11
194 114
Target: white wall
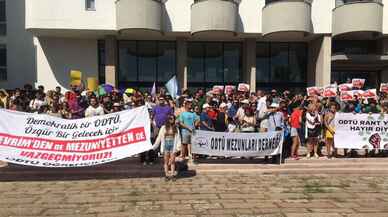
20 48
250 16
56 57
321 16
385 17
70 14
177 15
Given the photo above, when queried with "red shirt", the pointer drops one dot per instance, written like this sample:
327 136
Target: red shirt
295 118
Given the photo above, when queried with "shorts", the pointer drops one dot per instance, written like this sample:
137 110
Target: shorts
186 137
168 145
313 133
294 132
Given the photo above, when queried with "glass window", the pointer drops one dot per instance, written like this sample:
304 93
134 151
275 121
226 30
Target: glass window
3 18
101 61
297 62
371 78
147 54
262 62
146 61
90 5
213 62
3 62
232 61
127 61
196 53
354 47
166 61
279 62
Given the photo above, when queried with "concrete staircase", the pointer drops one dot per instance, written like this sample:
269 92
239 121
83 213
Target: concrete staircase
132 168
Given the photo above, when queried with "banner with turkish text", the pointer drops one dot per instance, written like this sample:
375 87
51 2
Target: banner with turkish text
46 141
361 131
237 144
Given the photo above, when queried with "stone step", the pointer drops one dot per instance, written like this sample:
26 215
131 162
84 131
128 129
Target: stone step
130 168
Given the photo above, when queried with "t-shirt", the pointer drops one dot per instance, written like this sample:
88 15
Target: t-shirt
188 119
312 118
205 118
295 118
161 114
91 111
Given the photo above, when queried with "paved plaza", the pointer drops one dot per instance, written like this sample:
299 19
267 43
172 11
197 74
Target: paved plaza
251 191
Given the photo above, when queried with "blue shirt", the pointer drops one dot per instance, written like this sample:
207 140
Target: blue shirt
188 119
205 118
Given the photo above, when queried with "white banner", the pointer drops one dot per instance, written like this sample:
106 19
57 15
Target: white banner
237 144
361 131
46 141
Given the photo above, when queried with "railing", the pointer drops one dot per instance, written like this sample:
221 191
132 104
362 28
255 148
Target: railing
344 2
273 1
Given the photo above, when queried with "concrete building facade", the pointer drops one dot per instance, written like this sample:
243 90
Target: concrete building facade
132 43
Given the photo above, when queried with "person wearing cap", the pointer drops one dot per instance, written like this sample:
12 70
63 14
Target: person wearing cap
221 123
206 121
188 121
275 118
241 111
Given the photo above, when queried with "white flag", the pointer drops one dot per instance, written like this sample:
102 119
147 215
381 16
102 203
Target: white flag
172 87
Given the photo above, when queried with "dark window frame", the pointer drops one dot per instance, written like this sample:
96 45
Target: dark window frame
281 84
209 84
144 84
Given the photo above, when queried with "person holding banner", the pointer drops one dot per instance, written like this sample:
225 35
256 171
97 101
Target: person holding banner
330 129
313 124
170 141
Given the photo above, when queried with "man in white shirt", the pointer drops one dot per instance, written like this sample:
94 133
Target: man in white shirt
94 108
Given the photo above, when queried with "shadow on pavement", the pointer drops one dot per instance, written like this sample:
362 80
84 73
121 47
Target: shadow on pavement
123 169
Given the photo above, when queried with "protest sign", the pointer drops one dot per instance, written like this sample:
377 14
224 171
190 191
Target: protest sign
46 141
243 87
346 95
237 144
361 131
358 83
384 87
329 92
229 89
345 87
370 94
358 93
218 90
314 91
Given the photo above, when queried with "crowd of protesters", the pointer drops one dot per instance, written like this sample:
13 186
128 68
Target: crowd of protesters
304 120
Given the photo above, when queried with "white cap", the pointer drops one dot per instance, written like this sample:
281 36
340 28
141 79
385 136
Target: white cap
205 106
274 105
245 101
223 105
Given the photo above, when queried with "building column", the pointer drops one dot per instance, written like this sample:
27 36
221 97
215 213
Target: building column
111 60
181 62
249 63
319 62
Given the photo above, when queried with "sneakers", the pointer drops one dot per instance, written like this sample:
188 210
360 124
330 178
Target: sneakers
316 156
308 156
166 178
173 178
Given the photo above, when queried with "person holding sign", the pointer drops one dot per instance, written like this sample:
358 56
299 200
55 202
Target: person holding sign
313 123
170 141
329 125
